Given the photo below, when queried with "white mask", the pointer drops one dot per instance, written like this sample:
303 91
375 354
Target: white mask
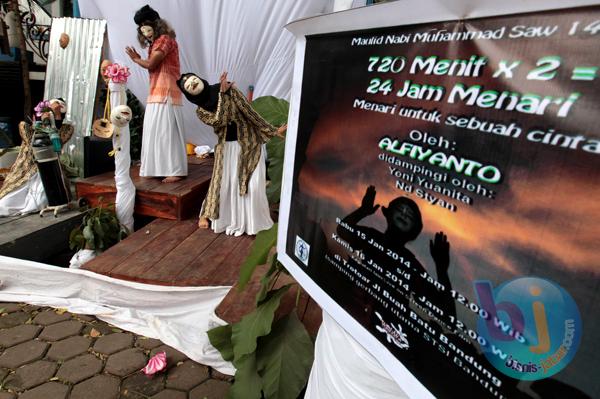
147 32
61 103
193 85
121 115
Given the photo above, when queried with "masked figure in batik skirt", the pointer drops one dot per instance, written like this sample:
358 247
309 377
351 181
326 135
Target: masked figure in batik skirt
236 202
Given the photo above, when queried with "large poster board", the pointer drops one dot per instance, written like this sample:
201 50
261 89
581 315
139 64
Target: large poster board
442 199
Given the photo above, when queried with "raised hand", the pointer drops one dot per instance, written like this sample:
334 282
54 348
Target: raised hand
132 53
439 248
225 85
368 202
281 131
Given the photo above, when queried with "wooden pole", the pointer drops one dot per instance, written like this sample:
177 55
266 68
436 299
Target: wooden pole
27 108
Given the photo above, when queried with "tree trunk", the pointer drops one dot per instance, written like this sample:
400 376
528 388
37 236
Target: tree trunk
27 108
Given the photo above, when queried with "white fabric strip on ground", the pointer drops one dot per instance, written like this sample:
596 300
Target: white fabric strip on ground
178 316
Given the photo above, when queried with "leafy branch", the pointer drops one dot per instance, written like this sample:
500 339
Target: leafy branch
272 356
99 230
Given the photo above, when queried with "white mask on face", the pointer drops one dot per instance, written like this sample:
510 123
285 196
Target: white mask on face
121 115
193 85
147 32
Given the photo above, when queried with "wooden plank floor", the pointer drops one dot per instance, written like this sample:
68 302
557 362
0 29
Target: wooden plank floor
176 201
175 253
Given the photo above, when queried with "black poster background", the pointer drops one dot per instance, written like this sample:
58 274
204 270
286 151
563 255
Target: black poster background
542 220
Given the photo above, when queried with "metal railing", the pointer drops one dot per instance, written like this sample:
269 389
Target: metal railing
36 23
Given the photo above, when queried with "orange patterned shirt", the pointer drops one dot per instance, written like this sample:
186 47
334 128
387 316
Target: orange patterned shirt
163 79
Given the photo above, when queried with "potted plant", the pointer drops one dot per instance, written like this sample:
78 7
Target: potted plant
99 230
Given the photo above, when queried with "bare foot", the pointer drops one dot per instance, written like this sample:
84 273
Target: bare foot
203 223
171 179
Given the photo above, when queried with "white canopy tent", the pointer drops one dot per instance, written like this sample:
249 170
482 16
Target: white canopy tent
244 37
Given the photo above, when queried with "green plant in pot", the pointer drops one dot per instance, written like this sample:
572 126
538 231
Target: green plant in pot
99 230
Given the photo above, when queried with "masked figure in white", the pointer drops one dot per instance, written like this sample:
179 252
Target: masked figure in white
163 145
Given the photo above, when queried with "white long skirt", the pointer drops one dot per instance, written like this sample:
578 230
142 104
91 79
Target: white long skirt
242 214
30 197
163 144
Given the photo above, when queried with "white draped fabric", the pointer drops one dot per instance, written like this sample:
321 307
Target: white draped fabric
30 197
344 369
178 316
244 37
125 200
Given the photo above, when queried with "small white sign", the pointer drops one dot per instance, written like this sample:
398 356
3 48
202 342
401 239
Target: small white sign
302 250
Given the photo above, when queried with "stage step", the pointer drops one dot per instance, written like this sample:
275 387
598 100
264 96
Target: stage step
175 201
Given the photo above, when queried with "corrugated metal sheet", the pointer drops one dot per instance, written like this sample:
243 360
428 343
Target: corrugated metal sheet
72 73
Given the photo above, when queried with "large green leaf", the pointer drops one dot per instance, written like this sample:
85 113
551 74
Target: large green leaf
284 358
273 110
247 383
265 240
89 236
220 338
255 324
275 152
265 281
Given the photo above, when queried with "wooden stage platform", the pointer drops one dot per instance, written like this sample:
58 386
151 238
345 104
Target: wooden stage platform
178 253
176 201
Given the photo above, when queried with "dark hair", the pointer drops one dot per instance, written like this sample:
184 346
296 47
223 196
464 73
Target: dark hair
160 26
416 229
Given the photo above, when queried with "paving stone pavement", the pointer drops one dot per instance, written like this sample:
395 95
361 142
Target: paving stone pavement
48 353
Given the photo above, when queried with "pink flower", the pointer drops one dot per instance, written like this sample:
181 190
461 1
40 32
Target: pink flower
117 73
113 70
43 106
156 363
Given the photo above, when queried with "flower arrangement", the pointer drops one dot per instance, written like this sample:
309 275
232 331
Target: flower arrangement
117 73
42 107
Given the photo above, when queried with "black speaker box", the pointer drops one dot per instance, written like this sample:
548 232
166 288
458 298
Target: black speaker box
95 156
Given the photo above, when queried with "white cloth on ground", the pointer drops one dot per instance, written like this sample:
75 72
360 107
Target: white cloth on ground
344 369
242 214
163 143
178 316
30 197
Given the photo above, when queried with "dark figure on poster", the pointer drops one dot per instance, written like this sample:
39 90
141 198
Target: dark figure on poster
236 202
163 143
404 224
